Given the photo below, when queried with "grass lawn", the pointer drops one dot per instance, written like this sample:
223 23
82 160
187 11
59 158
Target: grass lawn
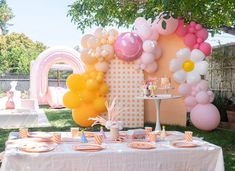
61 120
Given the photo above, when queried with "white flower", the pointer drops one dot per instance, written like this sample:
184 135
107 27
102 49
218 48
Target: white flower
188 66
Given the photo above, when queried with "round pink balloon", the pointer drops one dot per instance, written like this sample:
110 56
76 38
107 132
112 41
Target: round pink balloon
198 27
147 58
145 32
203 34
171 25
190 39
205 117
190 101
184 89
151 67
158 53
202 97
128 46
205 48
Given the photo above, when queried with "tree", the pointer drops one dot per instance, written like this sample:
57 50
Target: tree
212 14
16 53
5 15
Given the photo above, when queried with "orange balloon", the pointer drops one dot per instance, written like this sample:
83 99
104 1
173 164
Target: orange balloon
83 113
75 82
92 85
104 89
99 104
71 100
87 96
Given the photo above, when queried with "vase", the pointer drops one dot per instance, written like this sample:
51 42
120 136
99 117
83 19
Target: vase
114 133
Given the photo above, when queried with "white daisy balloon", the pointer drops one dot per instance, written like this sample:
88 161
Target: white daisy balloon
188 66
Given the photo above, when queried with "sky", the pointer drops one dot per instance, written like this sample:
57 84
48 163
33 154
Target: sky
45 21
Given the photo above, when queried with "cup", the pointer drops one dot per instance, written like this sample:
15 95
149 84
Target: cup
98 139
23 132
153 136
147 131
56 137
74 132
114 132
188 135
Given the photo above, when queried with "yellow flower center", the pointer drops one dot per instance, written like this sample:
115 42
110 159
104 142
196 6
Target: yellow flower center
188 66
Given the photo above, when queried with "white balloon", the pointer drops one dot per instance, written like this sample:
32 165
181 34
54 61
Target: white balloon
197 55
158 53
149 46
175 65
193 78
183 53
201 67
180 76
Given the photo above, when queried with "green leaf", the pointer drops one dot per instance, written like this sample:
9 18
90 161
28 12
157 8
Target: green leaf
167 16
164 24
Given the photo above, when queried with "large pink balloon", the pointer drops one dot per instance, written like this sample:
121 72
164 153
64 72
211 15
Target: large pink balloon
184 89
190 39
171 25
128 46
202 97
205 117
205 48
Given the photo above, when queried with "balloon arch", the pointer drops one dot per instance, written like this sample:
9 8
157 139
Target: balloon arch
89 90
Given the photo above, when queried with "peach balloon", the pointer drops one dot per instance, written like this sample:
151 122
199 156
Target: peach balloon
102 66
85 39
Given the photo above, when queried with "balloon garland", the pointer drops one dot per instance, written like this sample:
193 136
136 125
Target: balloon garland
87 92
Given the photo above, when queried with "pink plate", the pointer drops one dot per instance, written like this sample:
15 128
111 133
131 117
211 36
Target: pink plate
88 147
89 134
37 147
184 144
141 145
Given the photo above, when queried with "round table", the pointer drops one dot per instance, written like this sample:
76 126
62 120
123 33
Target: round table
157 100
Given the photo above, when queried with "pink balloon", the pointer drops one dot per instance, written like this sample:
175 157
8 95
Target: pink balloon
189 109
147 58
145 32
171 25
198 27
199 40
154 35
192 23
192 30
190 40
140 21
149 46
102 66
151 67
202 97
181 30
196 46
203 34
184 89
205 117
128 46
212 96
203 85
205 48
190 101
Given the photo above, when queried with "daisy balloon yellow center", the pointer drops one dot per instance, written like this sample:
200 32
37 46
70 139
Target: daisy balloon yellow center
188 66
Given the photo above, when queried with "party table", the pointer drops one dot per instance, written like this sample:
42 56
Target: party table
116 157
157 100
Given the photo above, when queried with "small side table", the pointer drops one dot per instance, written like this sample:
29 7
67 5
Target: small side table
157 100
